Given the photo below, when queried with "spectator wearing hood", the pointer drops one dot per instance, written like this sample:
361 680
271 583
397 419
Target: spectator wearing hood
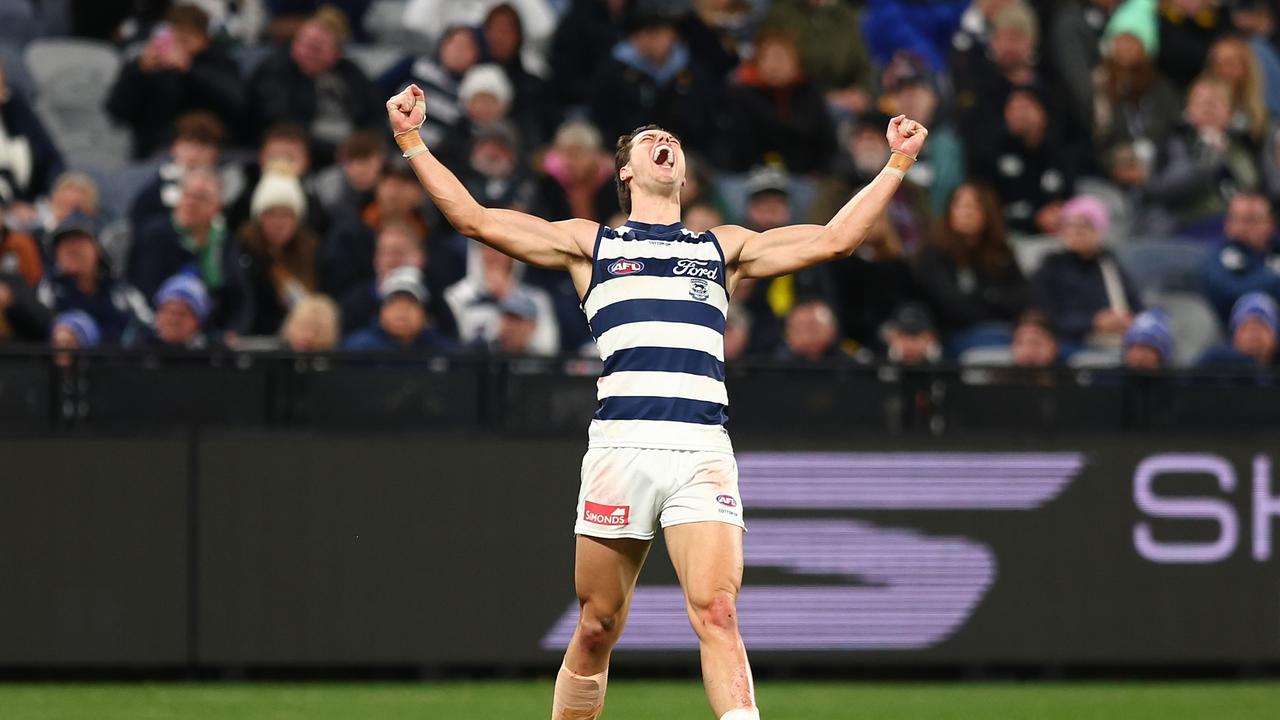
182 306
440 77
22 318
310 84
650 78
1148 343
833 53
402 322
279 251
1086 294
179 70
773 113
1249 260
1255 324
79 280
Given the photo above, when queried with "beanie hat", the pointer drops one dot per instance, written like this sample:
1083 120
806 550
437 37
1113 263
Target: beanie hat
278 189
82 325
188 290
1151 328
1091 210
486 78
1255 305
1137 18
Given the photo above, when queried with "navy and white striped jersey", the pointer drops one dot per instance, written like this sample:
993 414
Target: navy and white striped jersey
656 306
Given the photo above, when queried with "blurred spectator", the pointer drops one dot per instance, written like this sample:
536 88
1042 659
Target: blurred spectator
19 254
650 79
1187 30
828 35
1082 288
73 330
516 328
402 322
773 114
911 337
312 85
865 153
22 317
343 189
279 252
79 280
1232 63
1255 322
504 43
182 306
769 300
719 33
1255 20
1034 345
29 161
195 240
485 96
289 16
346 255
871 284
1134 108
197 140
1205 163
812 334
909 90
284 148
1148 343
577 180
398 245
312 325
434 18
73 192
1073 46
701 217
1249 261
969 276
440 77
179 70
983 83
737 332
494 172
582 45
922 29
1029 169
476 302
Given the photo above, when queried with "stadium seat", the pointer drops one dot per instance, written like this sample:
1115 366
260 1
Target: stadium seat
116 197
18 24
385 21
1094 358
1164 265
1031 251
1192 323
987 357
72 78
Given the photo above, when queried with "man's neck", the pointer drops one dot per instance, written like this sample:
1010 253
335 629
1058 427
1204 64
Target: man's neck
655 210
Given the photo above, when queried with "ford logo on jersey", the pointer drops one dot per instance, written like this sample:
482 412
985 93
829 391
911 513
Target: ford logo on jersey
625 267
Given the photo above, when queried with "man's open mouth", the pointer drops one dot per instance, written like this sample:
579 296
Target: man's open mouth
664 155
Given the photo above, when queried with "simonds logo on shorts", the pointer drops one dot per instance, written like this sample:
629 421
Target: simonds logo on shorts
626 267
611 515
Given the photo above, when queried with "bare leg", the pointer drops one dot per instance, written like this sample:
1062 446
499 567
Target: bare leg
708 560
605 574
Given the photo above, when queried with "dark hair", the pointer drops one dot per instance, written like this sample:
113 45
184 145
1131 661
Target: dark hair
200 126
363 144
298 257
622 156
188 16
1039 319
991 251
285 131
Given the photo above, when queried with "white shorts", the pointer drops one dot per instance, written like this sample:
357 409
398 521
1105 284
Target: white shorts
626 492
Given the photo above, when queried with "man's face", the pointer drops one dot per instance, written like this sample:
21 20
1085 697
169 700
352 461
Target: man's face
655 44
514 333
1255 338
402 317
1142 357
1011 48
810 331
1033 347
458 51
1249 221
395 249
493 158
657 164
199 203
190 154
868 149
502 35
768 210
285 153
175 323
77 256
911 348
362 173
397 196
1208 107
485 109
917 101
314 49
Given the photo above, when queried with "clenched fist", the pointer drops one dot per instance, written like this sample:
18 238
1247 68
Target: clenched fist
407 110
906 136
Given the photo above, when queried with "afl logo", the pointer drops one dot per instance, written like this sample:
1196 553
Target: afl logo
698 289
727 500
625 267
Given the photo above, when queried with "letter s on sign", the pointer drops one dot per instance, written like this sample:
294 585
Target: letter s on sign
1185 508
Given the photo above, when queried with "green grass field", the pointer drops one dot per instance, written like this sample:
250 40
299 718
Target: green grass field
630 700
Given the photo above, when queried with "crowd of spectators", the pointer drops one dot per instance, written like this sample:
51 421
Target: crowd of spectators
1098 188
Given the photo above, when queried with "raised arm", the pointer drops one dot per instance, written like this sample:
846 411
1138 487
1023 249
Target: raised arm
559 245
795 247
